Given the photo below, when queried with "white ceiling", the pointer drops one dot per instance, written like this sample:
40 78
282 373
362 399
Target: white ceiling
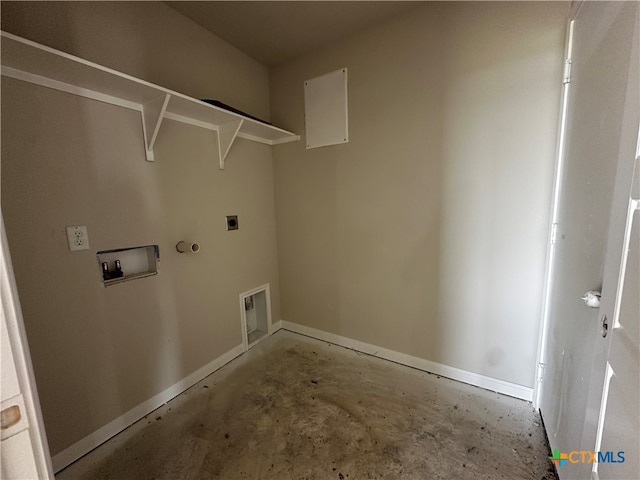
274 32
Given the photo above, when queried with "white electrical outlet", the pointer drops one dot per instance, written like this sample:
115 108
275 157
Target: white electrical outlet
78 238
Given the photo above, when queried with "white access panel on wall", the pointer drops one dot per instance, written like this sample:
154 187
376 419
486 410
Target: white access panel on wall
326 110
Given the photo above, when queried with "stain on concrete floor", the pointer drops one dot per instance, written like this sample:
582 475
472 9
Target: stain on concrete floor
298 408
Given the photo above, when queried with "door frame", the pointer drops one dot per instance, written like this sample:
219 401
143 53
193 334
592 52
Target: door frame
20 361
555 207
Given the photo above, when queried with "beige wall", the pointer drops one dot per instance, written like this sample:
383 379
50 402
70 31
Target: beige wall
98 352
426 233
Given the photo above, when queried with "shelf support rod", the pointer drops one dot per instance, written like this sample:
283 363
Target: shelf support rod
227 133
152 116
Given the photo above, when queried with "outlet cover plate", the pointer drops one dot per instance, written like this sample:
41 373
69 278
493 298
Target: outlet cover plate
78 238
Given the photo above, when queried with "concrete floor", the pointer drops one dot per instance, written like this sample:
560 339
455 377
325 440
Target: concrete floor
297 408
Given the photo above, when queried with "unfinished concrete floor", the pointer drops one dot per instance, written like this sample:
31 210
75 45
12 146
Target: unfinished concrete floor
297 408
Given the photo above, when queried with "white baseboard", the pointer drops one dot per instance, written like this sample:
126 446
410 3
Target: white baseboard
88 443
482 381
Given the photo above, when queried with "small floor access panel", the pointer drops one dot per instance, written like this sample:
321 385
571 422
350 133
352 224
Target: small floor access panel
256 314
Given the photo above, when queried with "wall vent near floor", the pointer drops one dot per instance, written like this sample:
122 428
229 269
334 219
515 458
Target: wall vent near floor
255 313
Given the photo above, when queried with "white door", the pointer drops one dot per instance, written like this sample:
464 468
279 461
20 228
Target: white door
612 421
600 145
615 392
24 452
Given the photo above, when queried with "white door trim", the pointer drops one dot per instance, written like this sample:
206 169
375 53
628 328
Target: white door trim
11 313
555 205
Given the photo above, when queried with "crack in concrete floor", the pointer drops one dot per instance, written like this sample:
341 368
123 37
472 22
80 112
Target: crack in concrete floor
298 408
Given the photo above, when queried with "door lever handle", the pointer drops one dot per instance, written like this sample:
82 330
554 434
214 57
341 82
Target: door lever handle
591 298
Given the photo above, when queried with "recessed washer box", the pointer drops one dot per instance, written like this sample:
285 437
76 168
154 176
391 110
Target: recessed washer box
135 262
